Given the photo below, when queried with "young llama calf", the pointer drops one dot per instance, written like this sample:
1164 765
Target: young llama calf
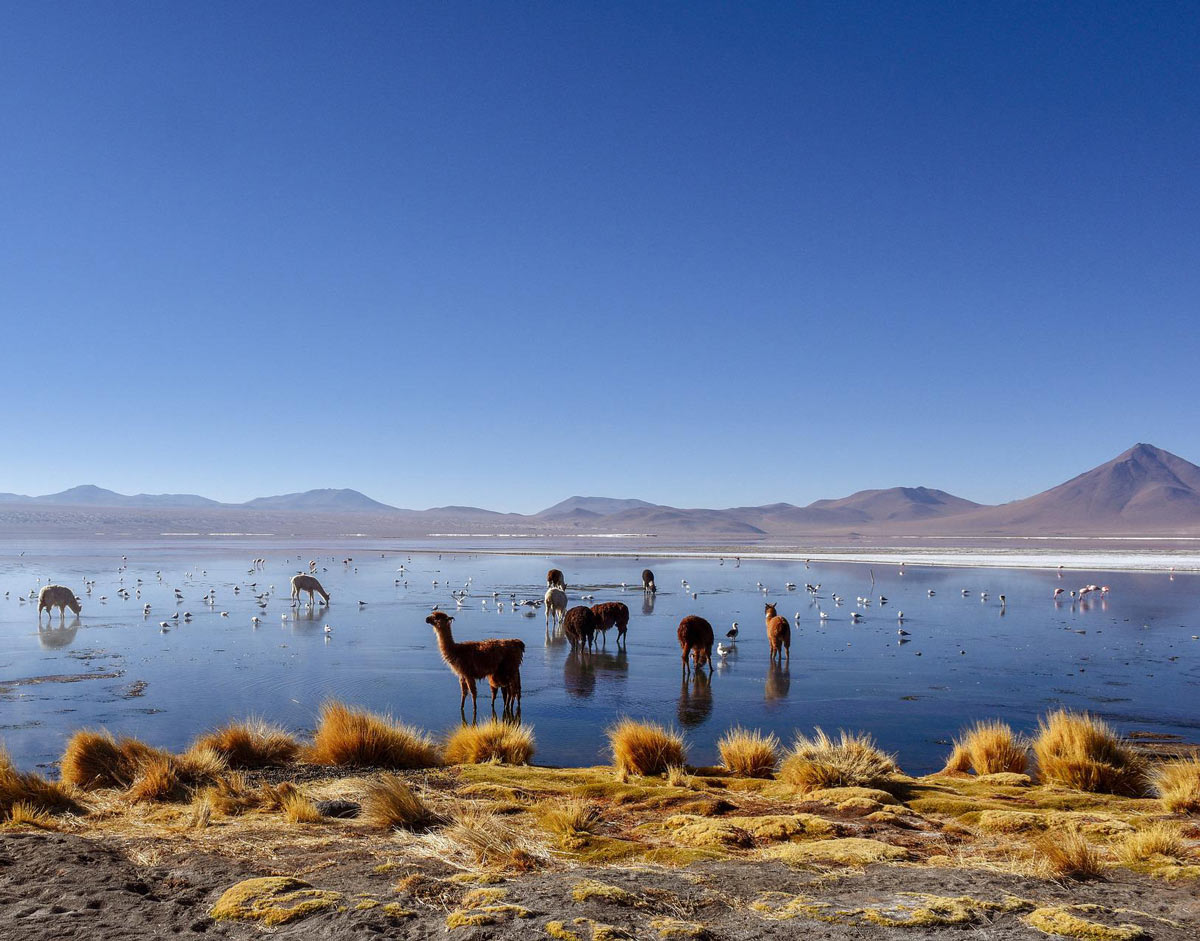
498 660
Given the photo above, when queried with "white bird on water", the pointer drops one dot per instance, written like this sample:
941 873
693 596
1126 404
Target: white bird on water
722 650
328 629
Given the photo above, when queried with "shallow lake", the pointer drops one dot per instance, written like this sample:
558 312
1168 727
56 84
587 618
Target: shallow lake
1129 656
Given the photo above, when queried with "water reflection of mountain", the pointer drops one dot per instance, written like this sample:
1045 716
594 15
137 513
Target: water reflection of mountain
695 700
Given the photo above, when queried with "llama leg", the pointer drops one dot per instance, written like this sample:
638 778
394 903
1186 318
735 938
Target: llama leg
462 703
474 700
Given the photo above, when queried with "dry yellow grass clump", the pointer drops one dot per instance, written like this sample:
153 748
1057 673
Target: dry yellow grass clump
166 777
1079 751
26 795
749 753
645 747
1178 784
251 743
1159 839
94 759
851 761
357 738
492 741
989 748
390 803
1068 854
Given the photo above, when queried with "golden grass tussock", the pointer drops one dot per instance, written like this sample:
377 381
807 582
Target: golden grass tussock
231 795
166 777
493 740
1079 751
749 753
486 840
299 809
93 759
819 762
989 747
645 747
390 803
251 743
1163 838
357 738
1067 854
1177 783
32 792
569 819
22 814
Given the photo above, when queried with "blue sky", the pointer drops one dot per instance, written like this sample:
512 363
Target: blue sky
490 253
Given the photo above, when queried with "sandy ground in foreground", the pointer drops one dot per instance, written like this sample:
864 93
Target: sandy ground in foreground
711 857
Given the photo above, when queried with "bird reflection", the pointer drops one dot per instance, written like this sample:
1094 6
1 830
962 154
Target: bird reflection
695 700
54 638
779 682
579 674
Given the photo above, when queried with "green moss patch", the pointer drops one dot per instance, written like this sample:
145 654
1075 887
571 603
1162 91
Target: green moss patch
848 851
272 900
1059 921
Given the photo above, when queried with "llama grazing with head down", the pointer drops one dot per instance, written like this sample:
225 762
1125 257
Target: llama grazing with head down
498 660
648 581
611 614
57 596
695 638
554 579
580 626
556 605
310 584
779 634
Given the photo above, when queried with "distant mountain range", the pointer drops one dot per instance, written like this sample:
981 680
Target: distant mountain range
310 500
1143 491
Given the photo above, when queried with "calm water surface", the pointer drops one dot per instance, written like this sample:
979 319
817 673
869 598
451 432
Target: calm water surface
1130 657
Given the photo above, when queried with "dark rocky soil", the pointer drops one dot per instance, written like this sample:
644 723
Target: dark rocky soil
58 886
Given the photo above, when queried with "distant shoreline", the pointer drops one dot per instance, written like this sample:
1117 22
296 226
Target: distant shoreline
1115 554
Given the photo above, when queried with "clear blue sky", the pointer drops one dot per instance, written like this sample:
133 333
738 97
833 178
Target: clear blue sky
500 253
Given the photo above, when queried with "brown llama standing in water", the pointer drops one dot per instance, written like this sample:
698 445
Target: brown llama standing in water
695 638
499 660
611 614
648 581
779 634
579 626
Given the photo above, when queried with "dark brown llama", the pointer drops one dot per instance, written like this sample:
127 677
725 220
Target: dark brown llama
579 626
499 660
695 638
611 614
779 634
648 581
